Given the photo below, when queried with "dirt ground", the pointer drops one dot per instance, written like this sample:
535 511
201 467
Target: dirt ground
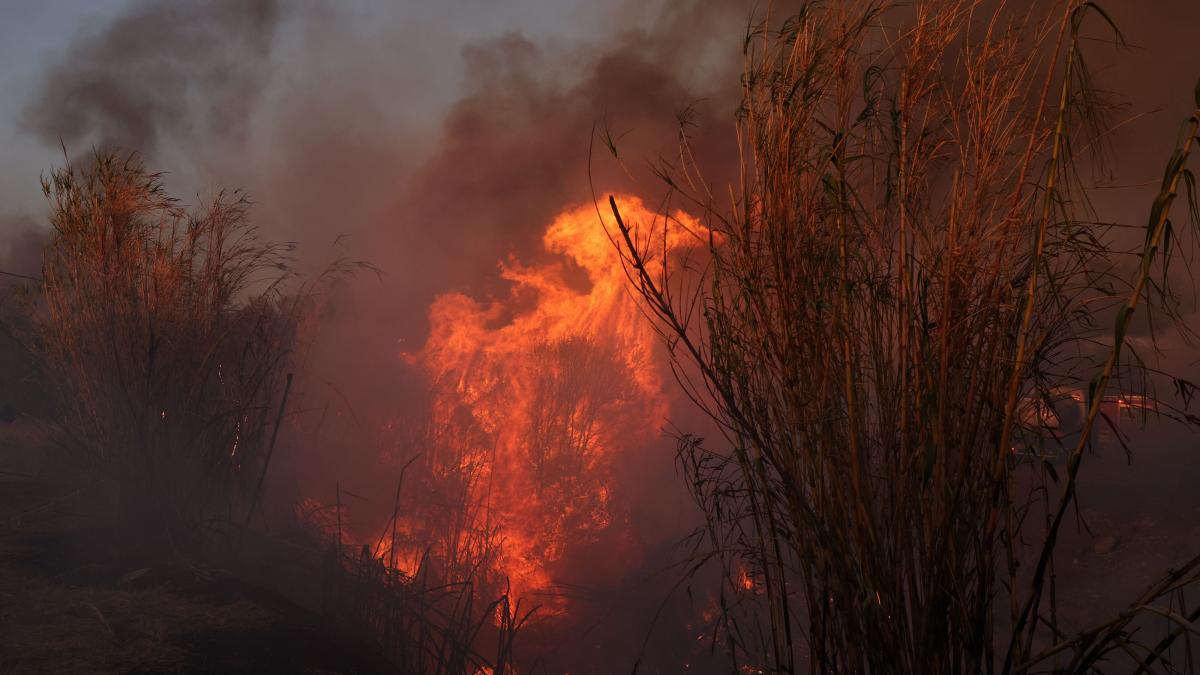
72 602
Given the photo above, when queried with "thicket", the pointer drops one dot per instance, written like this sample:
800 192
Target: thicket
165 336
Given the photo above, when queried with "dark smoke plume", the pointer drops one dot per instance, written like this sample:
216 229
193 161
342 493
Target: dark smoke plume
161 72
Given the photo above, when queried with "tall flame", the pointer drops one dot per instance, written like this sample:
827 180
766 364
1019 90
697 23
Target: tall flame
536 397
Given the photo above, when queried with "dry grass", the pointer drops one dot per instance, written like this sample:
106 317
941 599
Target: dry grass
422 623
437 617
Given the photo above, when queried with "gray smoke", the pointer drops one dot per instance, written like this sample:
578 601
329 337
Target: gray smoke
161 72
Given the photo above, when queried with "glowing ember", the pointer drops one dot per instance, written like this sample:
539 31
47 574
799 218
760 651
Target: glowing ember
536 397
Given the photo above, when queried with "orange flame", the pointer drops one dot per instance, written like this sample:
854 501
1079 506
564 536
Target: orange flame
538 395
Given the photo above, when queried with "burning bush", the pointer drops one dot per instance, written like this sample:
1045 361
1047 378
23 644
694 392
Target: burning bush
165 335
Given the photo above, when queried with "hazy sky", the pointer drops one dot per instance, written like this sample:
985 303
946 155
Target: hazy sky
33 33
30 32
36 33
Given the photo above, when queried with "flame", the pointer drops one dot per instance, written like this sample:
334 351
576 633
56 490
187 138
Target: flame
536 397
745 581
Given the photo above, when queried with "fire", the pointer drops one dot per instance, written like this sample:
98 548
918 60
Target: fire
745 581
536 397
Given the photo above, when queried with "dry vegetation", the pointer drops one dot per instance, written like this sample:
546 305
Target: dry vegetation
892 304
166 338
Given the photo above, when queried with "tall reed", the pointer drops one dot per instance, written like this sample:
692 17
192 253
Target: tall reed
165 336
895 299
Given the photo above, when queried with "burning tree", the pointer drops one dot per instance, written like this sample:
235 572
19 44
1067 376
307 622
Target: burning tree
534 398
165 335
578 380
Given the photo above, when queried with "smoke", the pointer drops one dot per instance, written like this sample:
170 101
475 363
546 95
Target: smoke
515 148
297 110
20 249
162 72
